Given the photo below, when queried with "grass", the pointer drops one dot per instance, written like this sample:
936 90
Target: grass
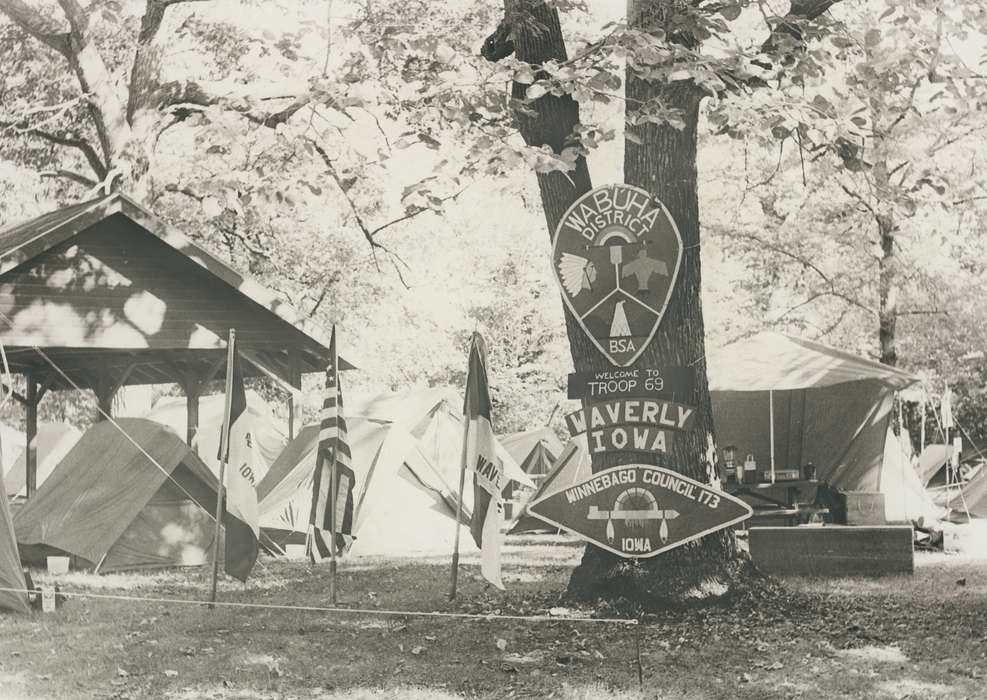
923 636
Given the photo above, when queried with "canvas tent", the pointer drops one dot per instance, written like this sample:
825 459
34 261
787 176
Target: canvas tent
406 456
403 505
968 497
268 435
110 508
53 441
572 466
12 442
534 450
789 401
11 575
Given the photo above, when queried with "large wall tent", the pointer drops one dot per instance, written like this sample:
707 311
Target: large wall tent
789 401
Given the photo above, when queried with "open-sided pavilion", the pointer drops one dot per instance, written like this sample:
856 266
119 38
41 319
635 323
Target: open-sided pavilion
104 294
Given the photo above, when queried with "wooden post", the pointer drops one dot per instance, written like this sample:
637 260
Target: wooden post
459 511
31 456
104 401
224 438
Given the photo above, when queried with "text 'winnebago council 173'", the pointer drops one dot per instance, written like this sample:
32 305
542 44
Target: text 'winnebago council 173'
638 510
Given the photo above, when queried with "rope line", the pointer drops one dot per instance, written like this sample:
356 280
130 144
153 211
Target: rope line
348 611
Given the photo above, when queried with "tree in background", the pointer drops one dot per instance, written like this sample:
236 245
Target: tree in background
874 191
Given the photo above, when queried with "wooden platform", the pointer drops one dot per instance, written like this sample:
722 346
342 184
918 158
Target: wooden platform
833 550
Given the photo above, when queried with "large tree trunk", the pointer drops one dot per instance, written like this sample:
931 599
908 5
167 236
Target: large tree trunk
664 164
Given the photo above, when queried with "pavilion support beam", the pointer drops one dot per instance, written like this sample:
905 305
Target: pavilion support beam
104 402
192 383
33 395
106 389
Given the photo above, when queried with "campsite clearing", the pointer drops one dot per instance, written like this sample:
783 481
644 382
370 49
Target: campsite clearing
923 636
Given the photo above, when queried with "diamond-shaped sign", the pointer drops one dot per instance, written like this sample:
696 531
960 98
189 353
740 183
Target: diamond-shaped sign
616 256
638 510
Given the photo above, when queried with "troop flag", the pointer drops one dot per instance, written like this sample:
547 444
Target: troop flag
332 484
488 470
243 529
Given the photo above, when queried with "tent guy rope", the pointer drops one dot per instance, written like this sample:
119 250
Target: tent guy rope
350 611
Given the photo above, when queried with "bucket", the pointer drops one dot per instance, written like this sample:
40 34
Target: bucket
58 565
294 551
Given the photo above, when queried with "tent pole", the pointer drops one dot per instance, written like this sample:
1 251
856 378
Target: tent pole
224 439
332 528
459 510
921 411
771 419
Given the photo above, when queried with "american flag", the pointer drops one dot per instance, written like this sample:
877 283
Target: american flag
333 471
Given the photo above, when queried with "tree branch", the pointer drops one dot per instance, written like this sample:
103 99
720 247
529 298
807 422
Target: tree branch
414 212
70 175
236 96
87 150
78 19
44 29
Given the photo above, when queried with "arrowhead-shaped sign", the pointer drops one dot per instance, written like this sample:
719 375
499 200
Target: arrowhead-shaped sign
638 510
616 256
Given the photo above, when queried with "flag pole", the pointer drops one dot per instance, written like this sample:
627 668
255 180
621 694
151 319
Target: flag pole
333 501
332 524
459 510
224 445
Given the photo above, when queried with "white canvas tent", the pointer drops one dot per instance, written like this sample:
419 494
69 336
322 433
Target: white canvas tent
12 443
406 458
268 434
53 441
402 503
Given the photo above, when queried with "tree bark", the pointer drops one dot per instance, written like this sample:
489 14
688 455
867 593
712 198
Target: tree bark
888 281
664 163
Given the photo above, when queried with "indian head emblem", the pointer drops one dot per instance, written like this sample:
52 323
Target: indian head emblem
616 256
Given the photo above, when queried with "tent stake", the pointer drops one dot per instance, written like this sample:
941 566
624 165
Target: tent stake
224 439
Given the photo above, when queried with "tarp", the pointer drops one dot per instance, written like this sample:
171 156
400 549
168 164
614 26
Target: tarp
776 361
403 505
268 434
830 408
53 442
110 508
11 575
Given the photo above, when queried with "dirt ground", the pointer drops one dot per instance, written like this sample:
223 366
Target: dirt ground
919 636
